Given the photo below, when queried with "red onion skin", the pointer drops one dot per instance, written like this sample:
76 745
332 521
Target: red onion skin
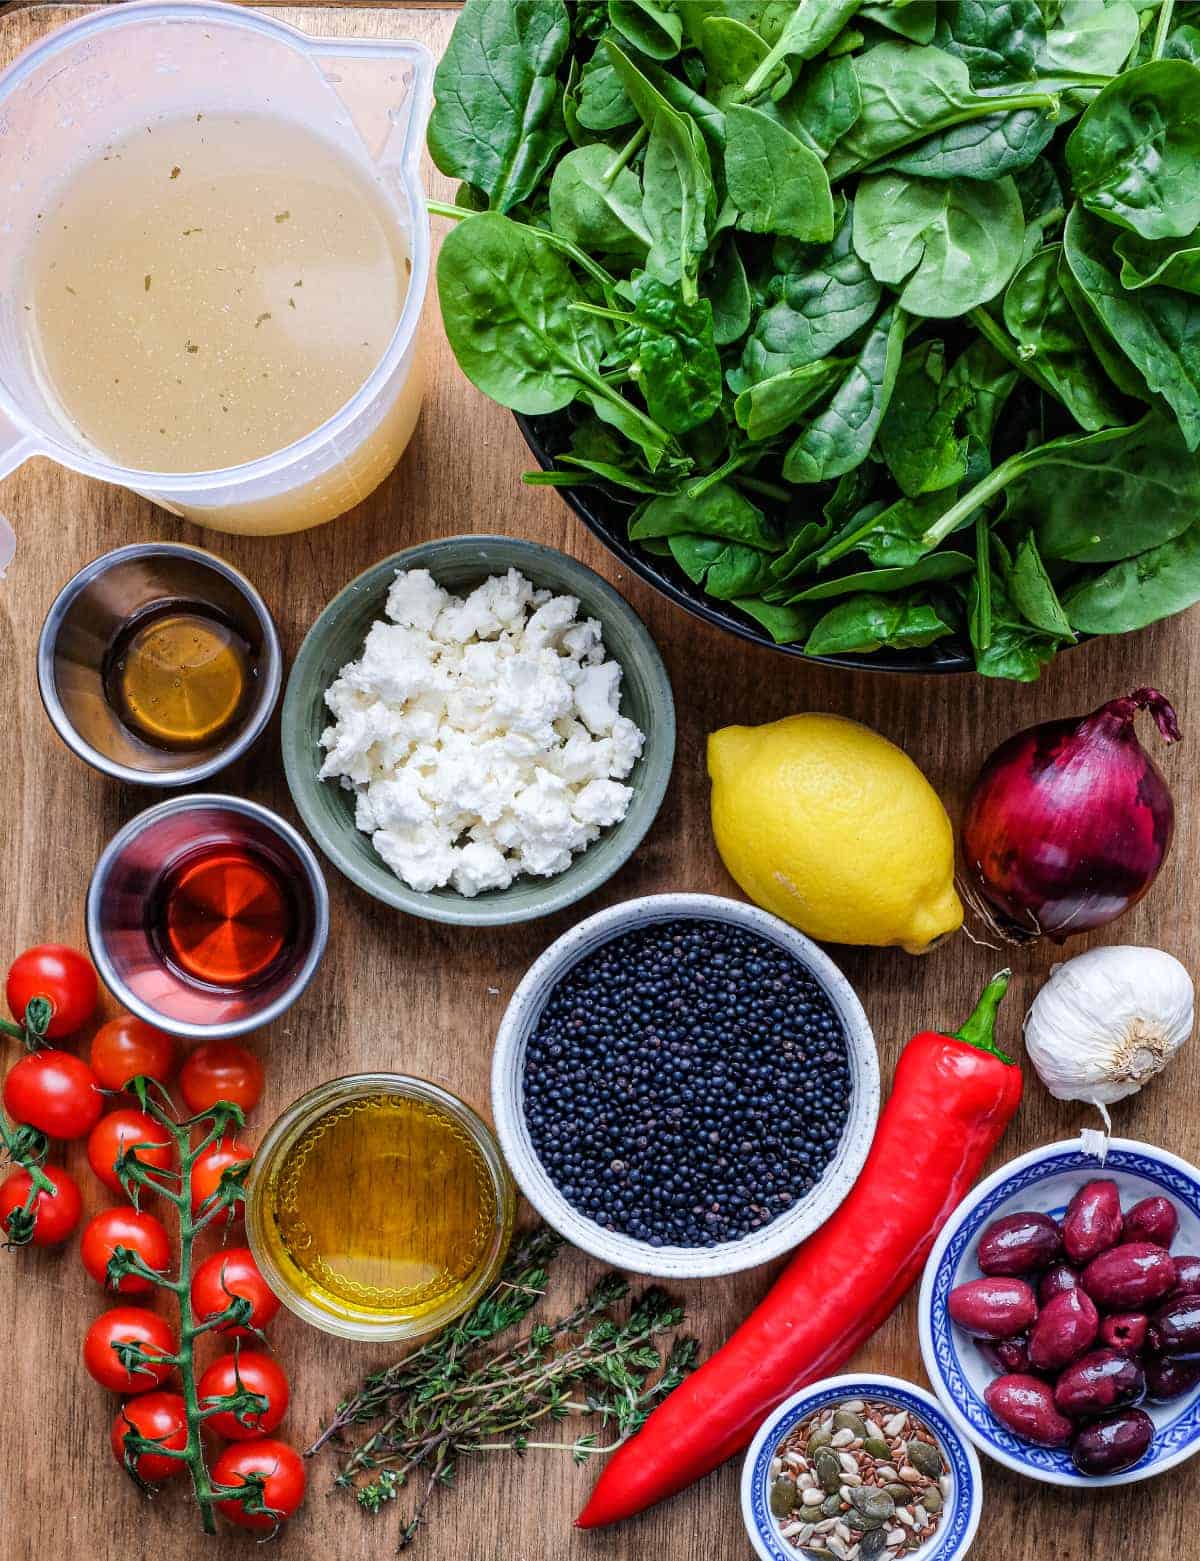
1069 822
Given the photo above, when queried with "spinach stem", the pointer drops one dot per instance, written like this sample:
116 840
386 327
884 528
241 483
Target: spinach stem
995 481
769 490
564 246
630 149
710 479
983 576
999 338
1163 28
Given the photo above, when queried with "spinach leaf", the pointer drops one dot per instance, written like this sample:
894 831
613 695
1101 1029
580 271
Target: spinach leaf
1050 338
915 20
730 294
920 436
1089 38
1183 44
1014 649
595 211
1116 365
984 149
676 202
909 93
1155 584
726 570
720 511
822 105
936 566
604 104
784 624
670 343
952 246
991 381
776 182
1134 157
810 312
1167 262
1033 592
1101 502
497 123
654 29
894 537
774 404
997 40
808 26
1157 328
505 292
732 52
839 438
867 623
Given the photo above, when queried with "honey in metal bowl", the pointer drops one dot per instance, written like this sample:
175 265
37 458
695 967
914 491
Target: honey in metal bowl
379 1207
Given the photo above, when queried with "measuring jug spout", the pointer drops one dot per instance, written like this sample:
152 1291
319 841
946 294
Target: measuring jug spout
387 89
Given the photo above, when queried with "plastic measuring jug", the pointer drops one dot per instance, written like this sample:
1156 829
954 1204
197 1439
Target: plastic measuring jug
129 65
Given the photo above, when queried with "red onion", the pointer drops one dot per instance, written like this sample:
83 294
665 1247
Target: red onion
1069 822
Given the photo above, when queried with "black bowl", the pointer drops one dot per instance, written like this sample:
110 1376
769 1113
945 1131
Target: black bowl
607 517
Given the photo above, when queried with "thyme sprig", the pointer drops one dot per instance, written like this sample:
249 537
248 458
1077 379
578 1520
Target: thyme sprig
453 1397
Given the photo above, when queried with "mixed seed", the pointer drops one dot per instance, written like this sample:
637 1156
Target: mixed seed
861 1481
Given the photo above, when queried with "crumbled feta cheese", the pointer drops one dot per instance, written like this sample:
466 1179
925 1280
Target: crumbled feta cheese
481 735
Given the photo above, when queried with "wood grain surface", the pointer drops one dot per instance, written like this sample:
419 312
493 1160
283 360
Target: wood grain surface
410 995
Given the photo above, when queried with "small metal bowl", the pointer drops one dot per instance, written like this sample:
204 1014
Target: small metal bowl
963 1503
81 625
613 1247
125 951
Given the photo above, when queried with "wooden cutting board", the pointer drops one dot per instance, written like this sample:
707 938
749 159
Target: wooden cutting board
405 994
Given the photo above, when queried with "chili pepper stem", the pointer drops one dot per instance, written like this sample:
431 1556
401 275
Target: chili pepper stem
980 1029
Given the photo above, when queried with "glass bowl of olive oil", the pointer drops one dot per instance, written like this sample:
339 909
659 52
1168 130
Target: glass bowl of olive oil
379 1207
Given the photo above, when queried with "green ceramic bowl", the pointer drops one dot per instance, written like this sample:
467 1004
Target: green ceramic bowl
459 564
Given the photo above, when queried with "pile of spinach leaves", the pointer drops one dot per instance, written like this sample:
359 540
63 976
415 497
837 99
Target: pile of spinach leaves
884 318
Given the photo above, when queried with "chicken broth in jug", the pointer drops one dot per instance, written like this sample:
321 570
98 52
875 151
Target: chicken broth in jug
210 289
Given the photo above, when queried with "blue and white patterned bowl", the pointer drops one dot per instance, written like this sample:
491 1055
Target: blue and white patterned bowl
1045 1180
963 1503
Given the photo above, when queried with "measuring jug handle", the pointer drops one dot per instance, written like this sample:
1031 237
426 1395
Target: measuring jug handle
15 449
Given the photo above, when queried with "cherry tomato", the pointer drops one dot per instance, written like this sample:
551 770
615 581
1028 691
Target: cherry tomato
126 1046
206 1172
63 977
161 1416
226 1274
284 1479
257 1373
133 1229
123 1129
136 1325
221 1070
55 1214
55 1092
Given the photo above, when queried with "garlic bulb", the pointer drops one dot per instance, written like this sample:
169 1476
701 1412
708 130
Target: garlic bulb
1107 1021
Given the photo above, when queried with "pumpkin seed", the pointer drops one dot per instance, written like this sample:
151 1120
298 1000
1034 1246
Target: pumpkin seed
847 1420
873 1544
872 1502
832 1506
924 1458
783 1496
898 1493
820 1438
828 1468
931 1499
877 1447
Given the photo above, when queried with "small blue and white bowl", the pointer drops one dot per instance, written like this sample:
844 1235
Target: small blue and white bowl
962 1503
1045 1180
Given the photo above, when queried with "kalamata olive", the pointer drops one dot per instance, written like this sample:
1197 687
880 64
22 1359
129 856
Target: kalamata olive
1018 1244
993 1308
1167 1378
1026 1406
1057 1279
1175 1328
1125 1331
1093 1221
1065 1328
1101 1381
1130 1278
1187 1276
1113 1444
1006 1355
1154 1219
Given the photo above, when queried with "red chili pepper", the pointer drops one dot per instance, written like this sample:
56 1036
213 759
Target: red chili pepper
952 1098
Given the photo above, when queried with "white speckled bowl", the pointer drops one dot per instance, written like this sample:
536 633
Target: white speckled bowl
963 1505
760 1246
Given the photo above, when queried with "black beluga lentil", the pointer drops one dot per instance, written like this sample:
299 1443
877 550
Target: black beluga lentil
686 1083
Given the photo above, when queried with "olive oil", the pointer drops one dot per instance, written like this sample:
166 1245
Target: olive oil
383 1209
178 675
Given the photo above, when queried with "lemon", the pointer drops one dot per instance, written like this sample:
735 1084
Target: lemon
836 830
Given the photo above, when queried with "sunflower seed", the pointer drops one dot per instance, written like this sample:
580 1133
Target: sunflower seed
896 1424
812 1496
896 1536
849 1463
843 1437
